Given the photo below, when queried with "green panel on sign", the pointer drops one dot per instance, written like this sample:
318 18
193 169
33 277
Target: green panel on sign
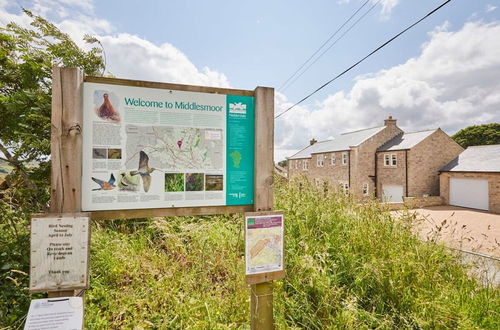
240 149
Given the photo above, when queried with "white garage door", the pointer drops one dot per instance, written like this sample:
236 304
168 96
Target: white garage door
471 193
392 193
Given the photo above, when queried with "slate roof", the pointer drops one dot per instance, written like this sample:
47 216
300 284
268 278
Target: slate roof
405 141
476 159
339 143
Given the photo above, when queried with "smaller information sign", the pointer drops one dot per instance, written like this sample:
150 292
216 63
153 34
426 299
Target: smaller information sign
59 253
264 243
57 314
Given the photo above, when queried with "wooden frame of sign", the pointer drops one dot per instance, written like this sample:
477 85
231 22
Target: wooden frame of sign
268 276
66 147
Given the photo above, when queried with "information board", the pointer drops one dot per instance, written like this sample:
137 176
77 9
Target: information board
157 148
59 253
264 243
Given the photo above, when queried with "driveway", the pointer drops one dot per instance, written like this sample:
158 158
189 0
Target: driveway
459 227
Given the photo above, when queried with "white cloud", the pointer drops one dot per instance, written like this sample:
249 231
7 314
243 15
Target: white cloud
128 56
452 84
490 8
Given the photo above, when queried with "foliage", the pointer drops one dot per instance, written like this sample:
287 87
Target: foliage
174 182
478 135
347 267
27 56
283 163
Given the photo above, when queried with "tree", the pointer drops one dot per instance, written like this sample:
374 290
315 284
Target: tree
478 135
27 56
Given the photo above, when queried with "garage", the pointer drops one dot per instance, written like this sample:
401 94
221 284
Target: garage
471 193
392 193
472 179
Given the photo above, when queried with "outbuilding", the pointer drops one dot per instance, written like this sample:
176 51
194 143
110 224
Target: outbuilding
473 179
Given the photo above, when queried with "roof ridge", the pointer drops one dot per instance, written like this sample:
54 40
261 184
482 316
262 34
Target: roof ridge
484 145
422 130
360 130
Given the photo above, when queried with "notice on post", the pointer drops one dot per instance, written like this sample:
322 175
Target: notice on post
55 314
264 244
59 253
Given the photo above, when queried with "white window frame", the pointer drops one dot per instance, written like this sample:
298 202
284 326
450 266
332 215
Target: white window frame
333 159
390 160
320 162
305 165
296 164
366 189
344 158
394 160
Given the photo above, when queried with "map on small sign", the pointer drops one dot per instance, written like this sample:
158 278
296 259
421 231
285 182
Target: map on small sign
263 244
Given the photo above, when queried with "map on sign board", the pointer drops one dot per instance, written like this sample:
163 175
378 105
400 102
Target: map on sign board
263 244
158 148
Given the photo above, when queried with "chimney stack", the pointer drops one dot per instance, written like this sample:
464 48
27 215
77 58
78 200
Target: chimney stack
313 141
390 121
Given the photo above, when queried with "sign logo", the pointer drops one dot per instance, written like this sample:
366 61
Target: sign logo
237 108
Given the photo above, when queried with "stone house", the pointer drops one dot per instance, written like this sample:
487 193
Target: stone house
473 179
379 161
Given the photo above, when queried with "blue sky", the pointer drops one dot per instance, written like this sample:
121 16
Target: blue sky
443 73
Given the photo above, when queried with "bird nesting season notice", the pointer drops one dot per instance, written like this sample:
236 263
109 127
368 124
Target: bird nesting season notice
59 252
158 148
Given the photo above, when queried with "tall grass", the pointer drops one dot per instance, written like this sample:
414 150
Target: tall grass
349 266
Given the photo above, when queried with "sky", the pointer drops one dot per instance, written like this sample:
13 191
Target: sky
442 73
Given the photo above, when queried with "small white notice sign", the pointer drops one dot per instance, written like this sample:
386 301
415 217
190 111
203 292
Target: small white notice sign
55 313
59 253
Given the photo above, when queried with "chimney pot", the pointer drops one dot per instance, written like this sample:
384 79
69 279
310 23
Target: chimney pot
313 141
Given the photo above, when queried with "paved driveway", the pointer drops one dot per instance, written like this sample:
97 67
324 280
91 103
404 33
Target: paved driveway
460 227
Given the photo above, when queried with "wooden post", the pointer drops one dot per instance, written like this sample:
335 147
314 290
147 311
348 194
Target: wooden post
261 308
66 145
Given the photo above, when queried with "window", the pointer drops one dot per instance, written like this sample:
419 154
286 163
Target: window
344 187
344 158
305 165
296 164
365 189
333 159
319 161
390 160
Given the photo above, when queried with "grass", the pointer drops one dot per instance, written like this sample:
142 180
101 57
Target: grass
348 267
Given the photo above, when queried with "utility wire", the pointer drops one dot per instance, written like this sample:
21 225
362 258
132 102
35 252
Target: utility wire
333 44
364 58
323 45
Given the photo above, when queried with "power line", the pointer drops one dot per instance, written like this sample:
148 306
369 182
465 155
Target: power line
364 58
333 44
324 43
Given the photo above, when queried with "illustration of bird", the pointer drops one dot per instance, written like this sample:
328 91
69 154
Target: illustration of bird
107 111
127 181
144 170
105 185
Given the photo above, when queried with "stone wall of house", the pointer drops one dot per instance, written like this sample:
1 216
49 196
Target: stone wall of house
335 173
493 186
393 175
426 159
363 159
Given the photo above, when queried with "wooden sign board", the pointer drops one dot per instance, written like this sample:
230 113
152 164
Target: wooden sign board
59 252
264 246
